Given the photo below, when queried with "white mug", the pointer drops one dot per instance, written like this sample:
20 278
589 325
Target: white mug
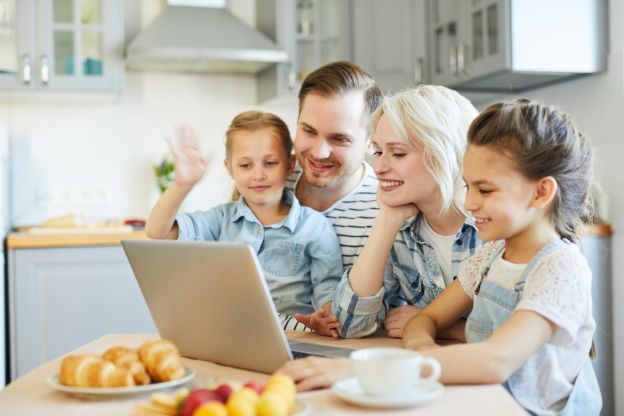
391 371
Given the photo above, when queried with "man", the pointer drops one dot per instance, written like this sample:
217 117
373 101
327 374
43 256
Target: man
335 104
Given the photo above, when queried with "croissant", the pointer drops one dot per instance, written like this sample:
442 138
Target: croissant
162 360
89 370
128 359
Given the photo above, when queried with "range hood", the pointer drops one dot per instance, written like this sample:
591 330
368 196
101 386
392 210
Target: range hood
201 39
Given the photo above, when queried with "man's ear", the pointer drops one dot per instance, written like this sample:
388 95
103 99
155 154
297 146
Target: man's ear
545 192
228 166
291 164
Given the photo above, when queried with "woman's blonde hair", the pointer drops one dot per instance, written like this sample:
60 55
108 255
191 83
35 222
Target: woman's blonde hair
436 120
252 121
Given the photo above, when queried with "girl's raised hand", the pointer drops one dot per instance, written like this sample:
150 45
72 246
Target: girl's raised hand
189 161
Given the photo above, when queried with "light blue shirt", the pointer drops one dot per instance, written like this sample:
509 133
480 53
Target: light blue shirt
300 255
412 276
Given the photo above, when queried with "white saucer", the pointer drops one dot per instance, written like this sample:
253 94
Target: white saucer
351 391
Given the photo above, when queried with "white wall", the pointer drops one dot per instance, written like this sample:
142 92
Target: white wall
65 149
69 154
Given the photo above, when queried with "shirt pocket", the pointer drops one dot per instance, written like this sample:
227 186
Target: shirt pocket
282 258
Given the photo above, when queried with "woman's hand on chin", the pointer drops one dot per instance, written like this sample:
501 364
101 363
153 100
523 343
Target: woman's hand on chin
397 212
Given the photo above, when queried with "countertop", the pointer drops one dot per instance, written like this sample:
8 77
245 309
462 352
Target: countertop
83 239
28 240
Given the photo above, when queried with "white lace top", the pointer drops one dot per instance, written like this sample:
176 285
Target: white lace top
559 289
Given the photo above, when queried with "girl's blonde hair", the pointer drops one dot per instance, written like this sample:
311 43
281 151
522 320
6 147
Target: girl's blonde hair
542 141
434 119
252 121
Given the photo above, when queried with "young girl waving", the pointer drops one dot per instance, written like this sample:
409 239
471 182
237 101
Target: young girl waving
296 246
528 174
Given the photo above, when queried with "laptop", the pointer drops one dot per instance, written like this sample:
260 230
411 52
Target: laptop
212 301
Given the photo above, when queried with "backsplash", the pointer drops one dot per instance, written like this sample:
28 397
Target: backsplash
96 159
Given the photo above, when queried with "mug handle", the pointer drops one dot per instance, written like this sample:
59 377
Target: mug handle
434 365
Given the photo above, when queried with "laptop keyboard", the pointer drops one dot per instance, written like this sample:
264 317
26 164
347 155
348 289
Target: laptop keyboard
300 354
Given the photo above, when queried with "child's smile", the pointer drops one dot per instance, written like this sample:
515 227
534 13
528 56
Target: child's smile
499 197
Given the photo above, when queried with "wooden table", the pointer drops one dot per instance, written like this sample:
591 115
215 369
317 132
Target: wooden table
31 395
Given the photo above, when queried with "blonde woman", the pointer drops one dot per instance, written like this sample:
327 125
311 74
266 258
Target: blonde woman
420 235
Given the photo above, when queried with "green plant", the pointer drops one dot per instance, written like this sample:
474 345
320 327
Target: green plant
164 173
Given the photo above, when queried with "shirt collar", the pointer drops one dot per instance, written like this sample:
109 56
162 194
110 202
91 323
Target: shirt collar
412 226
242 210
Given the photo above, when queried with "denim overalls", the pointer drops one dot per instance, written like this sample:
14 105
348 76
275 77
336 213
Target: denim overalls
494 304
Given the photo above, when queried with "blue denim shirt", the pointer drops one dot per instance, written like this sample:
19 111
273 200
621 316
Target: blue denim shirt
412 276
300 255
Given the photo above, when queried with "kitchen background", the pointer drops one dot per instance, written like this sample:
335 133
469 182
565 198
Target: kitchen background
93 153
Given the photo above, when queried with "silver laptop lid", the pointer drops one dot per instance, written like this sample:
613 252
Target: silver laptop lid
211 300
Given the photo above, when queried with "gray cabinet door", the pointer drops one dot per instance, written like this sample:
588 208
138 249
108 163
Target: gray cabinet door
597 251
17 42
389 41
312 32
62 298
67 45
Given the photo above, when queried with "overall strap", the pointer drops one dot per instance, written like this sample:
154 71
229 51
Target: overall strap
546 250
486 271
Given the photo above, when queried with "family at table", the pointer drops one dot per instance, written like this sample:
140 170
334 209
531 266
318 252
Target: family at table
462 228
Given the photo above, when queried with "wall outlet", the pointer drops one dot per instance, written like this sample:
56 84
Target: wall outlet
73 196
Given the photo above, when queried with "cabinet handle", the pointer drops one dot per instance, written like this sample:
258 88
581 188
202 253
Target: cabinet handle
465 70
291 77
45 69
419 71
453 59
26 69
461 63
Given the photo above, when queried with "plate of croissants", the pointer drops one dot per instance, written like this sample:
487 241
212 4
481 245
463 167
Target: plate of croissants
120 370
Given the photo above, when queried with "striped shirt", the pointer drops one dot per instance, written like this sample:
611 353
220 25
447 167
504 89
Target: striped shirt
353 215
412 276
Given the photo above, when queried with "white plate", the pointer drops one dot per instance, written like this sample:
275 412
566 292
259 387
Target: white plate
351 391
53 380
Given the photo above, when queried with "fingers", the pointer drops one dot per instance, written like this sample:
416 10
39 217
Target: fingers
304 319
315 382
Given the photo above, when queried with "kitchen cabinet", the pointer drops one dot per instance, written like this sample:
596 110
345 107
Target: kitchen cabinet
312 32
389 41
505 45
61 45
597 251
62 298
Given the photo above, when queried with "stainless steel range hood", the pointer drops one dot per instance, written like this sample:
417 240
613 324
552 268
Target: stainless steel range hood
201 39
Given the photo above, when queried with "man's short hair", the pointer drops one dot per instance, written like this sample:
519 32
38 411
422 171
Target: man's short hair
341 78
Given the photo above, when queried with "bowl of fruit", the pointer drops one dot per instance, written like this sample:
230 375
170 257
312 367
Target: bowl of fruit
276 397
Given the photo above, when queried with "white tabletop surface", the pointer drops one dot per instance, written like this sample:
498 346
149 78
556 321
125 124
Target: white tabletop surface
32 395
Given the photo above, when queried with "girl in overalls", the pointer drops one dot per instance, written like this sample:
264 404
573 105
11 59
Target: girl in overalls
528 173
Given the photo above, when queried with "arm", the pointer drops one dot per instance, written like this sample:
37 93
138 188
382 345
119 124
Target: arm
367 275
438 317
496 359
190 165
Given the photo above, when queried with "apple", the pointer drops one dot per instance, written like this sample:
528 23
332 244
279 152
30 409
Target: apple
255 386
224 391
196 398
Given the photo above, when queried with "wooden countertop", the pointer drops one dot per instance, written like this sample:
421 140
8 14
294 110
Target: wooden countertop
28 240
